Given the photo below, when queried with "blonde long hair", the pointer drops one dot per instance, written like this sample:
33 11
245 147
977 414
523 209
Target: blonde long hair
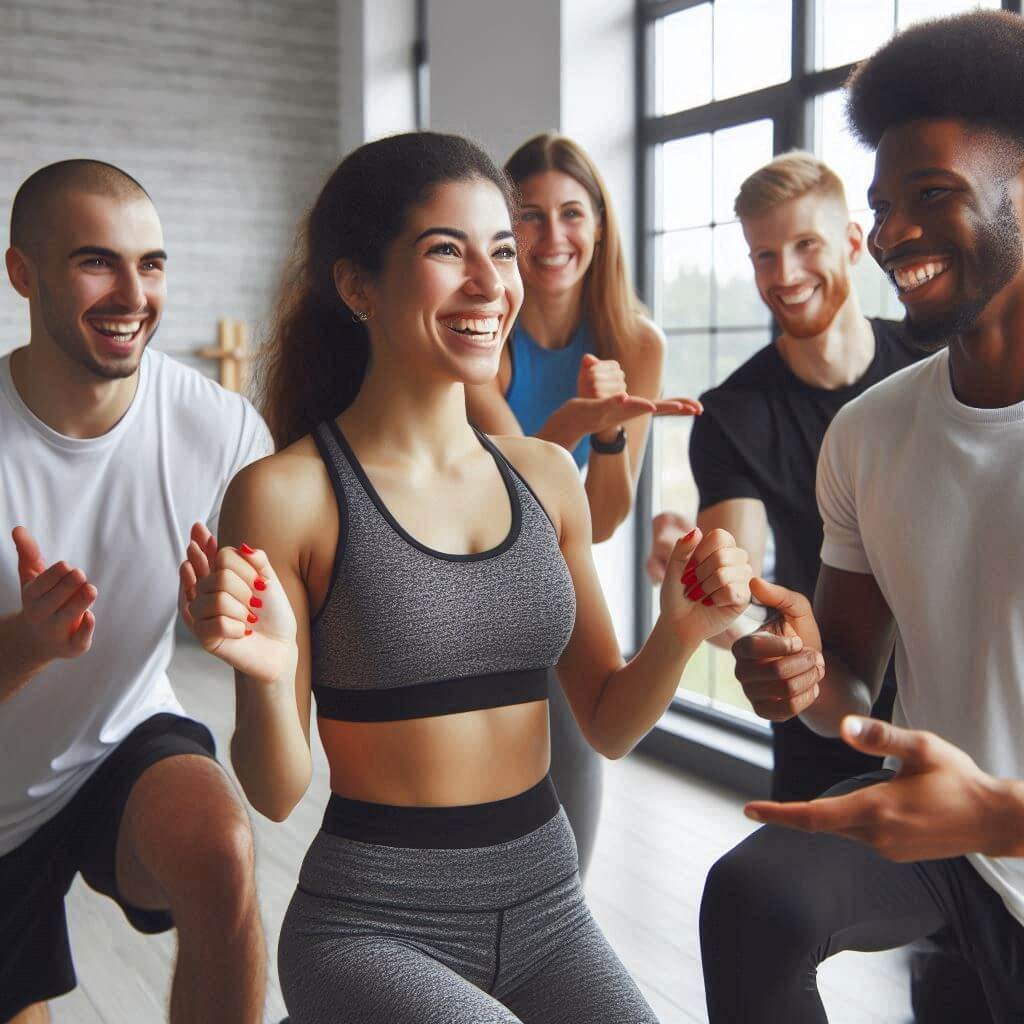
610 306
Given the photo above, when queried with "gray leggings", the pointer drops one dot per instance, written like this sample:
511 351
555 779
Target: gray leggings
498 933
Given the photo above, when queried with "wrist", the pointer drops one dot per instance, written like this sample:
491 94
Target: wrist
601 444
1004 817
678 640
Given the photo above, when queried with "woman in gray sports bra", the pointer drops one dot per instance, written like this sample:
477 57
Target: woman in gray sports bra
427 586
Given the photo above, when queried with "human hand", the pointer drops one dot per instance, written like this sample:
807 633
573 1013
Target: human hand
666 529
939 804
55 603
781 665
706 584
237 608
599 378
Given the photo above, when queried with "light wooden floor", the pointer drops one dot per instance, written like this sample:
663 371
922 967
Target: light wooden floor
660 833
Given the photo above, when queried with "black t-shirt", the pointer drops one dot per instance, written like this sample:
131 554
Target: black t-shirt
760 436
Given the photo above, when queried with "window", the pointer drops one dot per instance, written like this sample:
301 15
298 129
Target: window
725 85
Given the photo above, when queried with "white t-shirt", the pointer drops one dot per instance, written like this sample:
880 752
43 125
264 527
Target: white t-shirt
927 495
119 507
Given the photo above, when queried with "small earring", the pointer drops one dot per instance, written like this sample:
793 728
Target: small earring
360 316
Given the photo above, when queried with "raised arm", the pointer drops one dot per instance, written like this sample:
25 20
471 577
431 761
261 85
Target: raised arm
53 622
617 703
257 574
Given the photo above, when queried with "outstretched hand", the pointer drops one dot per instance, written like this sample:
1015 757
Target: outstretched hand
234 603
706 584
939 804
55 602
781 665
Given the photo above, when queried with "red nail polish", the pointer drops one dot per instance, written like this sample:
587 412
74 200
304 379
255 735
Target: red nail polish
689 536
252 618
248 632
707 601
695 594
690 566
255 602
689 579
259 583
246 550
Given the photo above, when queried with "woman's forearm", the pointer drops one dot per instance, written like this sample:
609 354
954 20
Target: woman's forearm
269 748
635 696
609 488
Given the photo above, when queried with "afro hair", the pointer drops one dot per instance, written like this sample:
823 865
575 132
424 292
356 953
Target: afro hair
969 67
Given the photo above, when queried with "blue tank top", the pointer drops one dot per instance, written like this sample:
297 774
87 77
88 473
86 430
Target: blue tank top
543 379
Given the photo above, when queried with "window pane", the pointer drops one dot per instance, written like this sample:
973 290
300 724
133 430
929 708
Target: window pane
910 11
736 302
683 174
682 47
746 27
847 30
738 152
683 278
687 370
854 163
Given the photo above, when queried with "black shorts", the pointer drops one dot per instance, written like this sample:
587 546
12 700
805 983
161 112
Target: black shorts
35 954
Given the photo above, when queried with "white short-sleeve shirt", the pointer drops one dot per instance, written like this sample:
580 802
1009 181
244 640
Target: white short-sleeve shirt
927 495
119 507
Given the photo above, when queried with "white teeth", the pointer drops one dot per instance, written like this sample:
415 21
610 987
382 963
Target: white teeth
909 278
795 298
121 332
554 261
483 325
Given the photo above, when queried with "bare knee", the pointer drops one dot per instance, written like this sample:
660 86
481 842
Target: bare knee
215 878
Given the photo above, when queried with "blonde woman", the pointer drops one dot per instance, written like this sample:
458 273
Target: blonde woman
582 368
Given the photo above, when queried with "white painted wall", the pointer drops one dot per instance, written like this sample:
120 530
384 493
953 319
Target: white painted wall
225 110
495 69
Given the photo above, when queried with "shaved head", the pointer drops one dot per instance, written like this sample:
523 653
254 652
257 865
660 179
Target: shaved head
39 193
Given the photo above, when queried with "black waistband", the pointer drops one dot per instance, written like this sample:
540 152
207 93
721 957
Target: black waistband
461 827
439 697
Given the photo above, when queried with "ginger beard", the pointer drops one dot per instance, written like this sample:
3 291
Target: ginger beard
829 297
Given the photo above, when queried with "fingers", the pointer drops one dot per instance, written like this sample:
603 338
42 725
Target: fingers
223 593
60 577
727 587
655 566
852 812
81 638
202 564
628 407
678 407
206 540
771 595
763 645
30 558
872 736
257 558
73 610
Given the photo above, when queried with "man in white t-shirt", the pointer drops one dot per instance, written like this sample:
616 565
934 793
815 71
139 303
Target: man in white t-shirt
109 454
922 496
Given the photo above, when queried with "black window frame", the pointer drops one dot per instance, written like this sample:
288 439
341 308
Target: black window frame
789 106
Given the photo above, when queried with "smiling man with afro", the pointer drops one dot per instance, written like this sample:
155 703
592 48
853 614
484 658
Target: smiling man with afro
922 499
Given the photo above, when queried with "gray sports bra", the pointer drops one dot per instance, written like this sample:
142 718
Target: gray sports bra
409 632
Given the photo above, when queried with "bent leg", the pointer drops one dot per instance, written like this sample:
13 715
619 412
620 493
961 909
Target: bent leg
556 966
38 1014
782 901
367 980
185 844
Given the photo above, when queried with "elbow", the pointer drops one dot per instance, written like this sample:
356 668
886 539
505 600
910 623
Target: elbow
607 520
609 746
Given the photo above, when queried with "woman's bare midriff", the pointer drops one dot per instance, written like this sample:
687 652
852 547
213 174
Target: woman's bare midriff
468 758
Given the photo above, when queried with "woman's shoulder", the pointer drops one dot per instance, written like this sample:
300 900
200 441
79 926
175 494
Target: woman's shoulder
285 478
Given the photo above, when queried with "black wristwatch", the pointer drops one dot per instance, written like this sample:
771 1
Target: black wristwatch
609 447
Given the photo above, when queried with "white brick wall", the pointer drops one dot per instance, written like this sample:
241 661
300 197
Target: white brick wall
225 110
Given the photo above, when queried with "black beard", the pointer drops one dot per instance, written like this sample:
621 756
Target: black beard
997 257
69 342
